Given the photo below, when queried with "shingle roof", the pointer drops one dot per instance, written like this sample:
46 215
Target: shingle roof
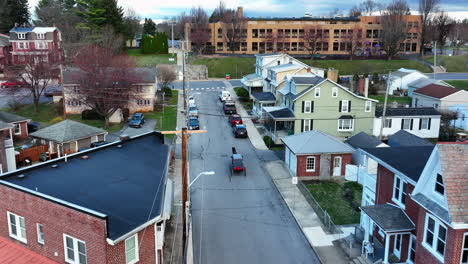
436 90
407 111
264 97
402 72
4 125
312 80
67 130
253 77
432 206
21 29
12 253
421 82
363 140
315 141
140 74
408 160
318 80
454 165
404 138
4 40
285 67
389 217
279 112
11 118
267 54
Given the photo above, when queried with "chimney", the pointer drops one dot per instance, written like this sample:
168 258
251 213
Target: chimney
366 87
308 69
240 11
332 74
361 86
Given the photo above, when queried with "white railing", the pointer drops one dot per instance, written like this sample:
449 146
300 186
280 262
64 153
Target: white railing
8 143
359 174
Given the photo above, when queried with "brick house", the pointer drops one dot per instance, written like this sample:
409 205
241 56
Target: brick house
315 155
5 49
92 209
7 151
419 212
19 123
42 43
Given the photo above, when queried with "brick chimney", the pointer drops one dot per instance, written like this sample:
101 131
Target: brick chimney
240 11
332 74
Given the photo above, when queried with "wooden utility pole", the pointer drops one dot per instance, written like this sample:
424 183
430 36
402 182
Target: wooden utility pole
382 124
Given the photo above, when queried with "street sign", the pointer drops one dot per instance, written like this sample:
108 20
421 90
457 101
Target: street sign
228 76
294 180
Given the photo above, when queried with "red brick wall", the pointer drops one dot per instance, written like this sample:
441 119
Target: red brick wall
56 220
301 166
345 159
24 130
384 185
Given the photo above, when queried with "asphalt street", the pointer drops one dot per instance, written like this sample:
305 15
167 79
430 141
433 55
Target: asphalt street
204 85
238 219
449 76
20 95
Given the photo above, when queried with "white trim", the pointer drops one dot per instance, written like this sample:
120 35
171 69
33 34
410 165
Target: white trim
343 104
138 229
334 91
435 237
410 244
17 227
464 247
40 233
21 35
310 107
312 157
309 122
76 253
137 256
19 128
398 200
346 130
340 86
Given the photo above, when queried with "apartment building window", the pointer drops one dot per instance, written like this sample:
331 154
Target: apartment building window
435 235
301 33
335 46
326 33
269 33
279 46
75 250
301 46
131 250
318 46
343 33
388 123
342 45
254 33
464 258
399 191
413 47
244 46
280 33
23 45
262 47
17 227
294 46
244 33
262 33
21 35
368 106
369 33
40 36
407 123
40 234
294 33
335 92
345 124
439 184
269 46
254 46
310 164
219 46
325 46
287 33
220 32
336 33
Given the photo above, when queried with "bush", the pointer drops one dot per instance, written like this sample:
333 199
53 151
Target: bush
91 115
56 120
268 141
241 92
167 91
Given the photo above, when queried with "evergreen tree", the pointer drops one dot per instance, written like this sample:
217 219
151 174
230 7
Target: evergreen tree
98 13
11 12
149 27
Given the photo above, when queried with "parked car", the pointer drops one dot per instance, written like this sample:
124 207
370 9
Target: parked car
193 110
235 120
229 107
240 131
193 123
224 95
137 120
98 143
191 100
13 84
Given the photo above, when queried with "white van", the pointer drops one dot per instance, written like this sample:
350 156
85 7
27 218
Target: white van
224 95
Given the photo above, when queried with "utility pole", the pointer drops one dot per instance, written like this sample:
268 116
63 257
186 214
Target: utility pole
183 79
172 33
435 56
384 107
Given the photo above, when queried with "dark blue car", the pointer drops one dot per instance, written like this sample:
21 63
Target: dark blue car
193 123
138 119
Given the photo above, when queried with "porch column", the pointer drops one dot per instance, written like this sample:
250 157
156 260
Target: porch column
387 248
275 130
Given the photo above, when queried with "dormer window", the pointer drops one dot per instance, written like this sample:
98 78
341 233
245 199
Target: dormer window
21 35
40 36
439 184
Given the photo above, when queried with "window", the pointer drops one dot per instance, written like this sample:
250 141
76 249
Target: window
40 234
17 128
143 102
310 164
76 89
21 35
23 45
406 124
140 88
368 106
17 227
40 36
131 250
75 250
307 106
344 105
424 123
41 45
345 124
439 184
412 250
399 191
435 234
317 92
335 92
388 123
464 258
307 125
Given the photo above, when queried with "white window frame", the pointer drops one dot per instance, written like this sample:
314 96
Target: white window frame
21 35
17 125
368 106
76 254
412 243
317 92
435 238
41 45
40 35
18 227
464 248
309 103
402 185
409 123
427 123
341 125
335 92
389 120
40 233
137 257
438 183
307 162
307 123
22 45
343 104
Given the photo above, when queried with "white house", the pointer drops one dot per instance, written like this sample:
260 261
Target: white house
438 96
462 116
400 79
423 122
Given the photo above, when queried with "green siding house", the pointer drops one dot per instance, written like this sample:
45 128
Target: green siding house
322 105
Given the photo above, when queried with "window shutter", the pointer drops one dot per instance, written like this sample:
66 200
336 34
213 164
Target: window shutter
411 126
349 106
402 123
311 124
302 124
303 106
429 124
420 123
312 106
339 107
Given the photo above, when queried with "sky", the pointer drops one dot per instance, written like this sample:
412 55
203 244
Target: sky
164 9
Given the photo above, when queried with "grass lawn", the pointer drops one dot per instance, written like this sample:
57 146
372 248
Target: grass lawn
330 197
168 120
150 59
451 63
219 67
391 98
460 84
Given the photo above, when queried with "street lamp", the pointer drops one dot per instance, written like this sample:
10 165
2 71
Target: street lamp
202 173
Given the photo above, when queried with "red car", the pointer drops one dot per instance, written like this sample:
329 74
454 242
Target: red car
11 84
235 120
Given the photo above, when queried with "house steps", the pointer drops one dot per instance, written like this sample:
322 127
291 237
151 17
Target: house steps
360 260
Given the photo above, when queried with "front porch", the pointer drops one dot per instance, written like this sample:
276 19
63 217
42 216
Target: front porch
278 122
253 83
261 100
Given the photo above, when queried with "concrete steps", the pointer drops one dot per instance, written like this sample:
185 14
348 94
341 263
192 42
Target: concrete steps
360 260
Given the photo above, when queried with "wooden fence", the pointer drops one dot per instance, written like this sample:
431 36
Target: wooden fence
31 153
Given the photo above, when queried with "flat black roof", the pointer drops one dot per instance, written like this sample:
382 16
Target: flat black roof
121 183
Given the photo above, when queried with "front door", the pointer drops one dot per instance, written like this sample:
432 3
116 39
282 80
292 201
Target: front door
337 166
397 246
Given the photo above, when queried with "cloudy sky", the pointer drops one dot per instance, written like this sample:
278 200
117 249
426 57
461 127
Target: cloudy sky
267 8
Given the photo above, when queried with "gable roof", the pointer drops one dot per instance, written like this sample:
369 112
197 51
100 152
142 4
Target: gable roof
407 111
390 218
279 112
454 164
285 67
424 81
15 254
363 140
21 29
315 142
4 126
408 160
436 91
405 138
310 80
67 130
71 75
402 72
11 118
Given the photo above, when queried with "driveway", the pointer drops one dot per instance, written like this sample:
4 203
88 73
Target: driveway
149 126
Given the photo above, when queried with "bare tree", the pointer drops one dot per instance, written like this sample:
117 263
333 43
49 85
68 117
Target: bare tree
368 6
394 26
459 35
199 28
132 26
443 25
166 75
354 39
234 27
313 36
180 22
426 10
105 80
355 11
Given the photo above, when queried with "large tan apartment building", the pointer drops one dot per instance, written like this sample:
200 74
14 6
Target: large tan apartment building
293 35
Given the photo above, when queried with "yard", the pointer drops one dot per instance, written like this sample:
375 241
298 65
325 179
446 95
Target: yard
460 84
331 197
450 63
144 60
391 98
167 120
219 67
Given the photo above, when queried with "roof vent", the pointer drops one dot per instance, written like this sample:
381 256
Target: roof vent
119 146
21 176
85 157
54 166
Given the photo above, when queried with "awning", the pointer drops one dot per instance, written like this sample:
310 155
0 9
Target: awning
13 253
390 218
279 113
252 80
